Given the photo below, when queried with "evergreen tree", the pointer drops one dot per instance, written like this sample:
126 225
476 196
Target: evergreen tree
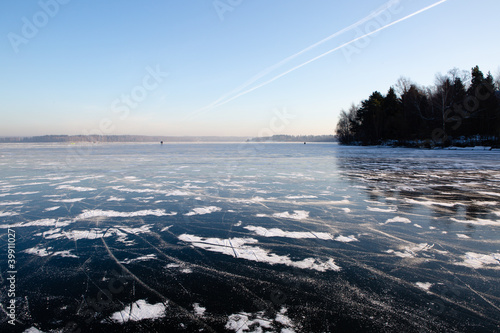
394 116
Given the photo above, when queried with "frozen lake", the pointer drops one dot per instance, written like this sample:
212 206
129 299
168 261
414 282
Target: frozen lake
250 238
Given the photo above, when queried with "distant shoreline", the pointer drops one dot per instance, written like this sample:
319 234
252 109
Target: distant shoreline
118 139
164 139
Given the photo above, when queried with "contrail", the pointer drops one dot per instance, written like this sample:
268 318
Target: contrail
374 14
221 100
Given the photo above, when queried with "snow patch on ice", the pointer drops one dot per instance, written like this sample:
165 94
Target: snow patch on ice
52 208
430 203
112 198
37 223
75 188
479 260
484 203
141 258
463 236
238 248
166 228
411 251
382 210
203 210
398 219
275 232
301 197
19 193
424 285
96 233
44 252
490 193
478 221
111 213
199 310
11 203
67 200
139 310
150 190
346 239
297 215
5 214
244 322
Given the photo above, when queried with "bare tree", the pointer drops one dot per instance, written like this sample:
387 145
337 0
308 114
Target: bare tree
403 85
463 75
443 92
497 80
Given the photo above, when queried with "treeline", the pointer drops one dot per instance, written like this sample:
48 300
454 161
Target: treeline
294 138
118 138
462 109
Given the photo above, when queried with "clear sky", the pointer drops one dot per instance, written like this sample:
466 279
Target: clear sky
228 67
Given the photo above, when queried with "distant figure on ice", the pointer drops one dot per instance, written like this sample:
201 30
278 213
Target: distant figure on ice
304 143
161 142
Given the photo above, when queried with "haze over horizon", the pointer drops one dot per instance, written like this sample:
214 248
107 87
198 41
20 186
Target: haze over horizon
224 68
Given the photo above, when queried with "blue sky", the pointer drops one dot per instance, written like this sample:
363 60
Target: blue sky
157 67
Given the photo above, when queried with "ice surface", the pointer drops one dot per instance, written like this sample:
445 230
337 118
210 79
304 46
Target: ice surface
32 330
261 232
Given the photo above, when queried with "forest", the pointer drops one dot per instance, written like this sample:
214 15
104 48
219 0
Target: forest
294 138
461 109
